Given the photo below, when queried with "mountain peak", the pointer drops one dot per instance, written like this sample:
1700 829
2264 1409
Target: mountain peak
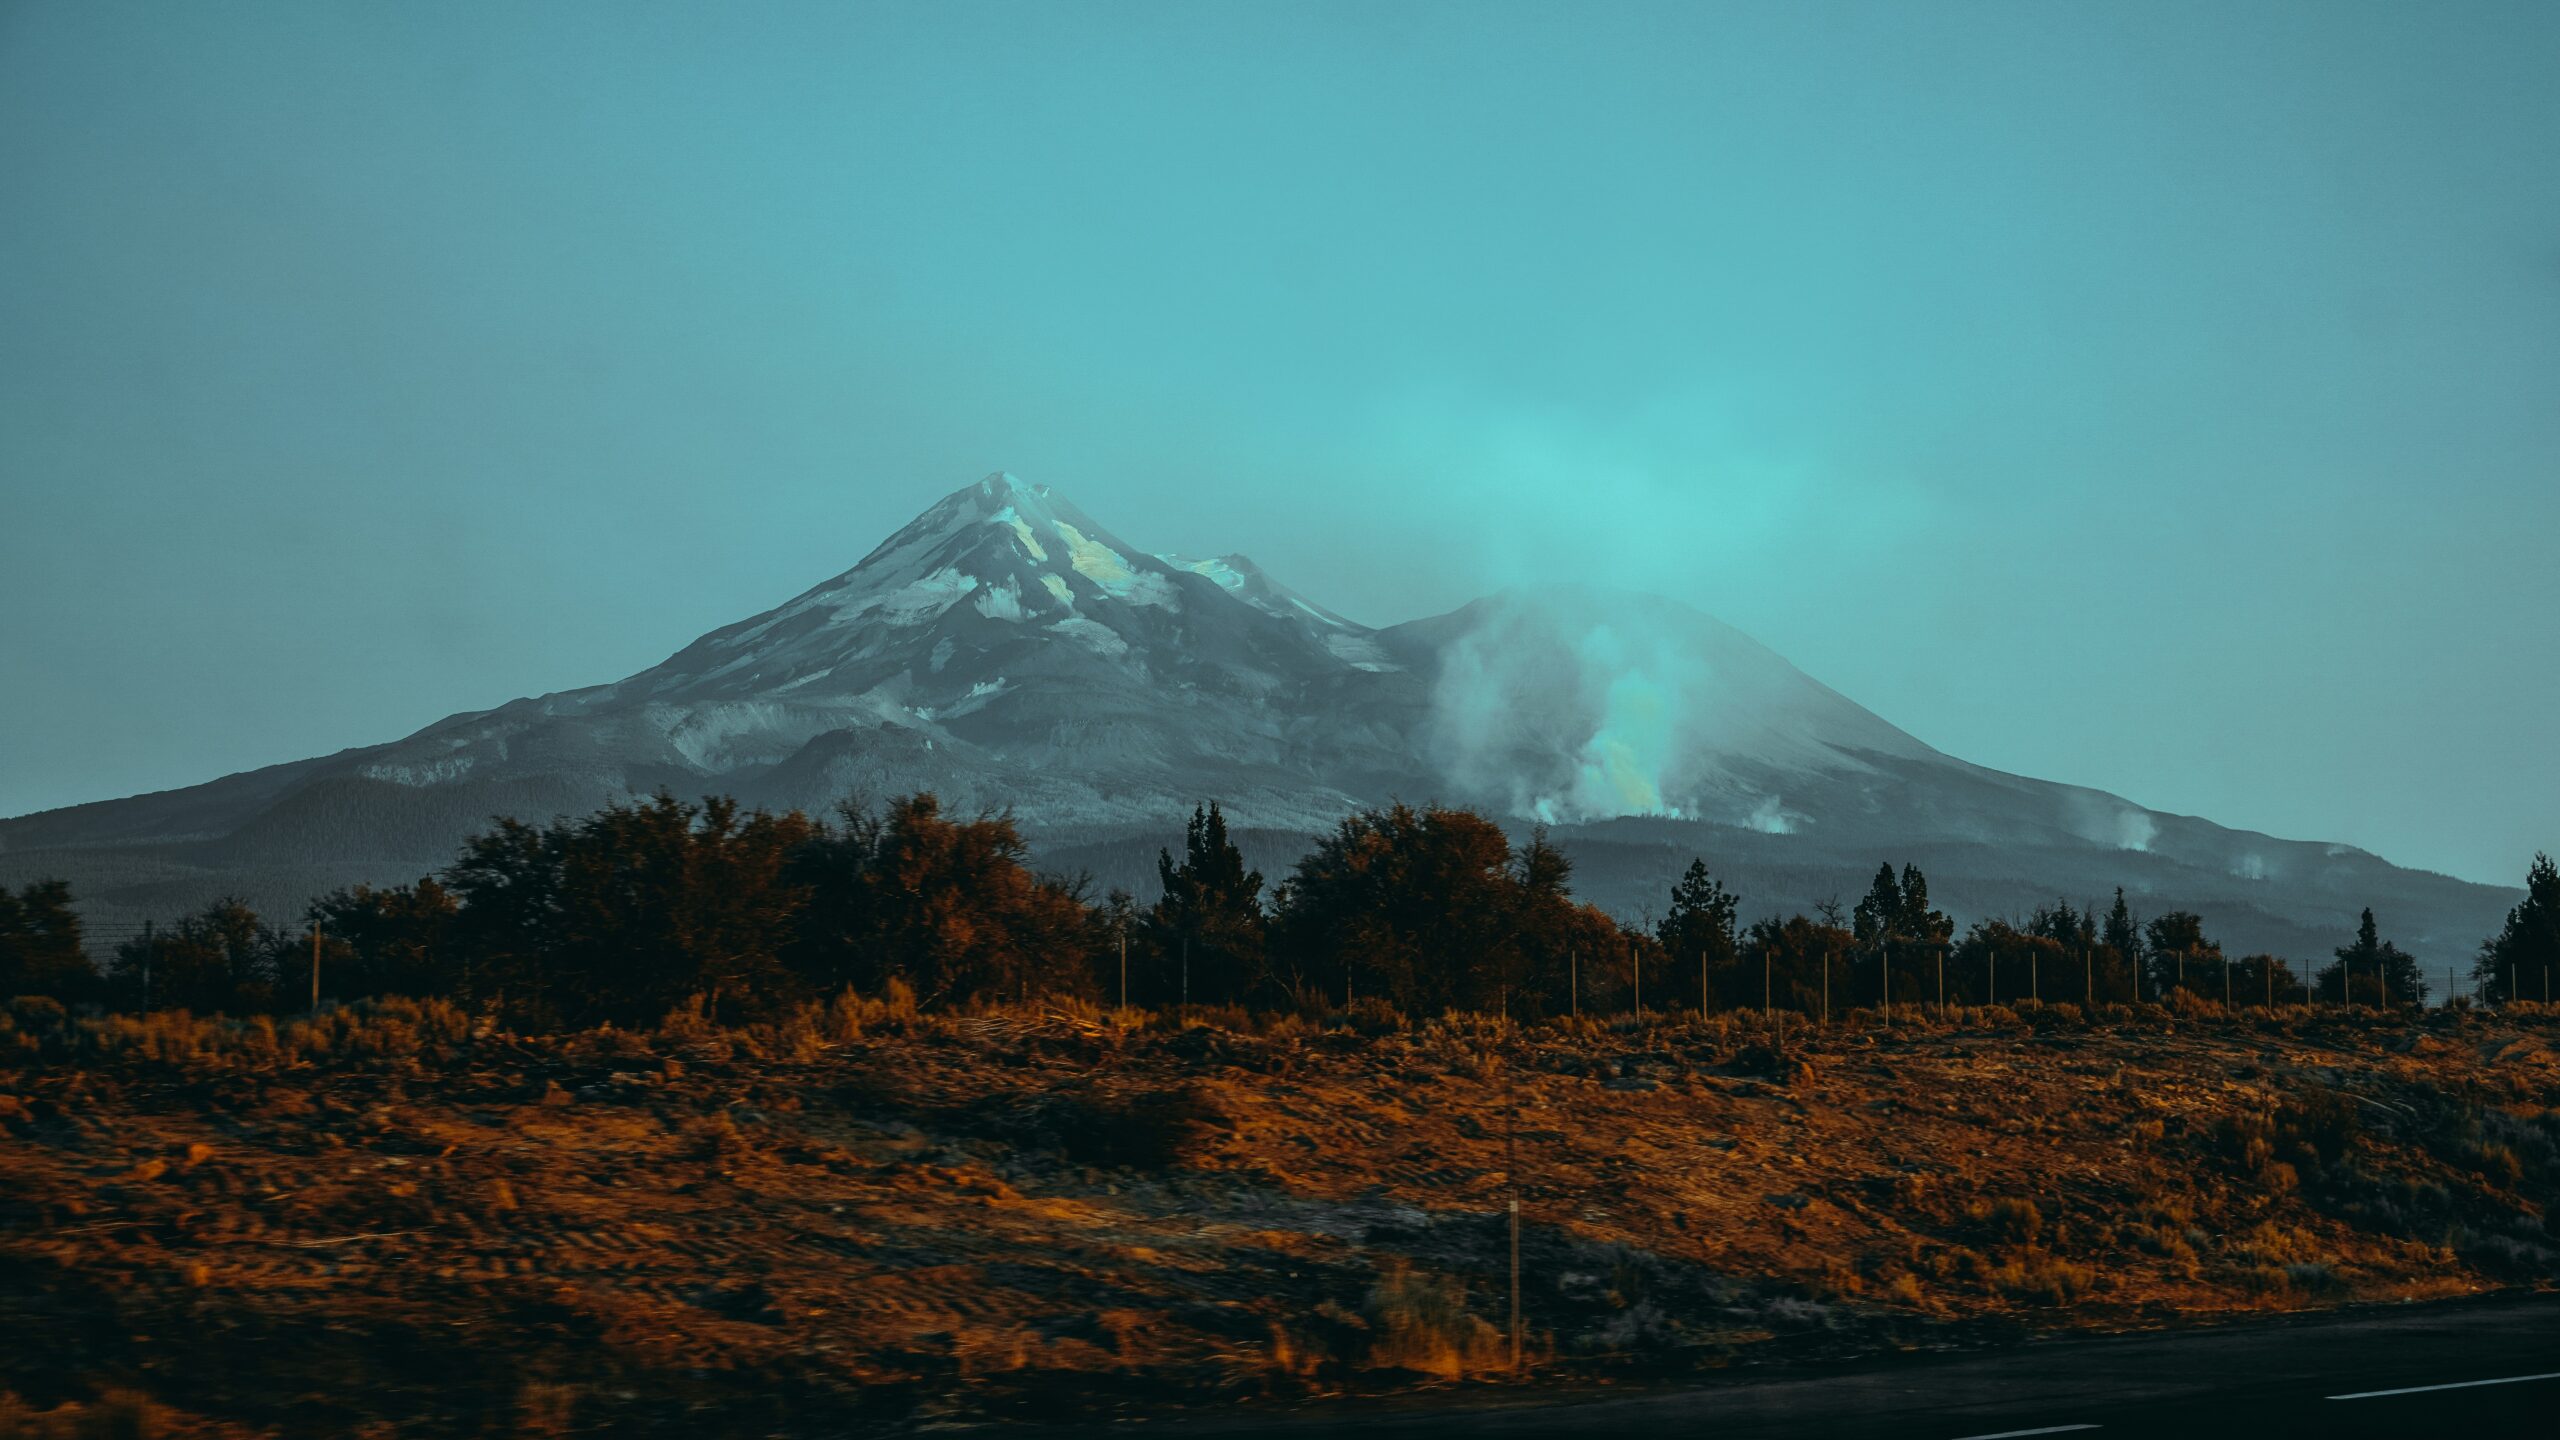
1005 487
1003 577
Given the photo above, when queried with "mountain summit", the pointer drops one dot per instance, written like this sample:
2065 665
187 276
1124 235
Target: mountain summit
1006 650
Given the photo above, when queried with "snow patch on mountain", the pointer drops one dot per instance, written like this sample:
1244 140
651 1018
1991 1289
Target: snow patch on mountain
1001 602
707 736
1240 577
915 604
1093 635
1228 577
1360 653
1110 572
980 695
419 773
1031 546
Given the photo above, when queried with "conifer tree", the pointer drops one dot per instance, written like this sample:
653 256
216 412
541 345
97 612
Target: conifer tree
1895 922
1210 916
1880 912
2124 930
1702 924
1918 921
2372 971
2523 958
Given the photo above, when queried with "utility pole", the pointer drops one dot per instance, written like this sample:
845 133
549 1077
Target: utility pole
2035 976
1511 1174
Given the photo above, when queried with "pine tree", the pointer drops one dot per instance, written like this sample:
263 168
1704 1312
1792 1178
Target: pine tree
1702 925
1918 921
2373 971
1880 912
2124 929
1210 916
2522 961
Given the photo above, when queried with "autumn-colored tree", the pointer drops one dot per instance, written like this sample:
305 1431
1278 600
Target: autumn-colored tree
948 907
624 914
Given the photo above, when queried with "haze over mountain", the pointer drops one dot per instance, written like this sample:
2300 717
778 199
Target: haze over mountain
1007 650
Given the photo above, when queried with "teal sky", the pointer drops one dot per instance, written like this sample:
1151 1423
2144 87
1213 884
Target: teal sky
2154 396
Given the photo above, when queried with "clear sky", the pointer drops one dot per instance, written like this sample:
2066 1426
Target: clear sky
2160 397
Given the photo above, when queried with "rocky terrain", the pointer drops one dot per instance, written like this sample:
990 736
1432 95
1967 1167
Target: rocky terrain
396 1222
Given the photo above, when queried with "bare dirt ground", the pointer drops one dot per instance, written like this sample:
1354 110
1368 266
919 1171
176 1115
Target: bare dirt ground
863 1219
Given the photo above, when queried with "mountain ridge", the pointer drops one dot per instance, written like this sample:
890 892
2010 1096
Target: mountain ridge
1007 650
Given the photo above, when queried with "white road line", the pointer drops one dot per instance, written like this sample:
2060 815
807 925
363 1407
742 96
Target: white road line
2456 1385
2013 1434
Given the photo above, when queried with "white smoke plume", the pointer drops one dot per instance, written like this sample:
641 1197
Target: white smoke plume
1574 703
1566 717
2103 819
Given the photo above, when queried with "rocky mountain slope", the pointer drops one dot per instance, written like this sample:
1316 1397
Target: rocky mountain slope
1007 650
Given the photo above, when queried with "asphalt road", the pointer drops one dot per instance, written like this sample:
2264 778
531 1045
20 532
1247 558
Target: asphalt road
2472 1370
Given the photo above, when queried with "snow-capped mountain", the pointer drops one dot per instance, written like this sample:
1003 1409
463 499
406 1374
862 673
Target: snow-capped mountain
1007 650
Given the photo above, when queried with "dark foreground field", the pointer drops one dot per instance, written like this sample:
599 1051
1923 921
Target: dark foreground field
867 1219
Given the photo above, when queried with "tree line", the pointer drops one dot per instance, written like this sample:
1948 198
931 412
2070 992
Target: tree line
635 909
